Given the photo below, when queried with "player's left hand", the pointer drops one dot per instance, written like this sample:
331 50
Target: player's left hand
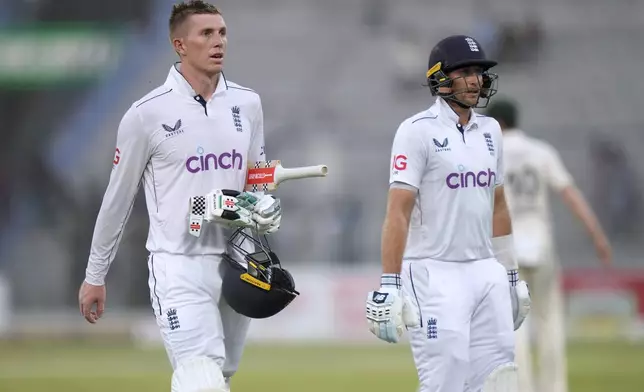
267 213
521 302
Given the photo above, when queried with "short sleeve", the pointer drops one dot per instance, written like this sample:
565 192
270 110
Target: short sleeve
557 174
408 156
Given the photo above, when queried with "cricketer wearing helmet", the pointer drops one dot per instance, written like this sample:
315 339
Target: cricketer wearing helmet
449 271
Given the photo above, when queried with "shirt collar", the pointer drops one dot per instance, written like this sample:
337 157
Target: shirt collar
178 83
449 116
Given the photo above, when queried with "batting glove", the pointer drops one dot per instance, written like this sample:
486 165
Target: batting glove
267 213
389 310
230 208
520 296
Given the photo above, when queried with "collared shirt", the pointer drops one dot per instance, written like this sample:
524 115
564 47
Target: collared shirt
177 145
455 170
532 168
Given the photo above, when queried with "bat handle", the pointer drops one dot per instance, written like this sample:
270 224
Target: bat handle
303 172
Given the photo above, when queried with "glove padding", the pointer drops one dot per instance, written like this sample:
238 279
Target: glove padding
521 302
243 209
230 208
267 214
389 310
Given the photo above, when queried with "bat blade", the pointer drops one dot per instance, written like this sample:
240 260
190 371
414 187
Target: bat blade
266 176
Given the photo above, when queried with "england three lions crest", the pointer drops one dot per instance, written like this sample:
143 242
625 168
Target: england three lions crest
236 112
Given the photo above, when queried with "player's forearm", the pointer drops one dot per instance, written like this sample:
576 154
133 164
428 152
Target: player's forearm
501 221
502 240
394 239
108 231
111 220
576 202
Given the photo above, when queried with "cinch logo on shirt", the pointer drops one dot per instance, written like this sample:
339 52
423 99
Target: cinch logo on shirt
225 160
484 178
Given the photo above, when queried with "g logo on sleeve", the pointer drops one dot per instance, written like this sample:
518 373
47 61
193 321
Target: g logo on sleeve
117 157
400 163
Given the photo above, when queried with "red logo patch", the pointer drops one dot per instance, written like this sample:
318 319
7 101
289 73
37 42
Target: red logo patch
400 162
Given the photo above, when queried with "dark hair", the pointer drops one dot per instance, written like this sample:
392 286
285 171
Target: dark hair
181 12
504 111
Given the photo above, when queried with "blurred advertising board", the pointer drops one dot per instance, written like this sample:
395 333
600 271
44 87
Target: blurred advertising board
603 304
42 55
599 305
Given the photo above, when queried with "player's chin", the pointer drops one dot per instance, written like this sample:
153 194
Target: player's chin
470 99
214 66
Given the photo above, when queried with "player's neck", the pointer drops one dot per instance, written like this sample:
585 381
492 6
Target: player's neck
463 114
203 84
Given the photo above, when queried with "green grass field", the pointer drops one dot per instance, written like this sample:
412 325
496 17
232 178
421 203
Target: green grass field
605 367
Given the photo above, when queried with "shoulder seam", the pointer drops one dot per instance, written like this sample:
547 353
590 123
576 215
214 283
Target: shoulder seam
424 118
156 96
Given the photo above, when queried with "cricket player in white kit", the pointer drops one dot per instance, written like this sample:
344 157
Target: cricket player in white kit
449 272
533 168
192 136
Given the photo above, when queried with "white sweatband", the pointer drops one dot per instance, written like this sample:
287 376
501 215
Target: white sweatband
504 252
390 280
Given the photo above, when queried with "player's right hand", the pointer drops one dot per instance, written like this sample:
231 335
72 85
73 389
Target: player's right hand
88 296
389 310
230 208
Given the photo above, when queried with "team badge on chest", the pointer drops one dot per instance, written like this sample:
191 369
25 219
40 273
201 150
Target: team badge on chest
237 118
489 142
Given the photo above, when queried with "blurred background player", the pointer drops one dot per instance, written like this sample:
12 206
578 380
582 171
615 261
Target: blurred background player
447 234
192 136
532 169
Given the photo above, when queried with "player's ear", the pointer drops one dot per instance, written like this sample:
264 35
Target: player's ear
178 45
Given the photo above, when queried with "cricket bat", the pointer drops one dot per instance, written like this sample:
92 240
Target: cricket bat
263 176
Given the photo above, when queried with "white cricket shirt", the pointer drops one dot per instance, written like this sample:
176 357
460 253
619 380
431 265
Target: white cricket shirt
177 145
455 173
532 168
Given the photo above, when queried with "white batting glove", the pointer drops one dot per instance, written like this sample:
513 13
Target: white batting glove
389 310
520 296
267 213
230 208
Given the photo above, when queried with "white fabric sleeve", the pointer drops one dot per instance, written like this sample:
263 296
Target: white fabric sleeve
402 185
500 165
133 154
409 156
558 176
257 152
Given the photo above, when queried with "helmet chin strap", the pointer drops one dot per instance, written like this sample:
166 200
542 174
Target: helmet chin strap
459 103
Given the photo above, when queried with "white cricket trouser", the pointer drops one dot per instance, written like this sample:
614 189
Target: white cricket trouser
193 317
466 327
546 316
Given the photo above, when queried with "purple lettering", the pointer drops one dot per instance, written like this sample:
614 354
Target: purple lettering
484 178
465 182
478 179
189 166
211 161
237 155
210 158
449 182
221 161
